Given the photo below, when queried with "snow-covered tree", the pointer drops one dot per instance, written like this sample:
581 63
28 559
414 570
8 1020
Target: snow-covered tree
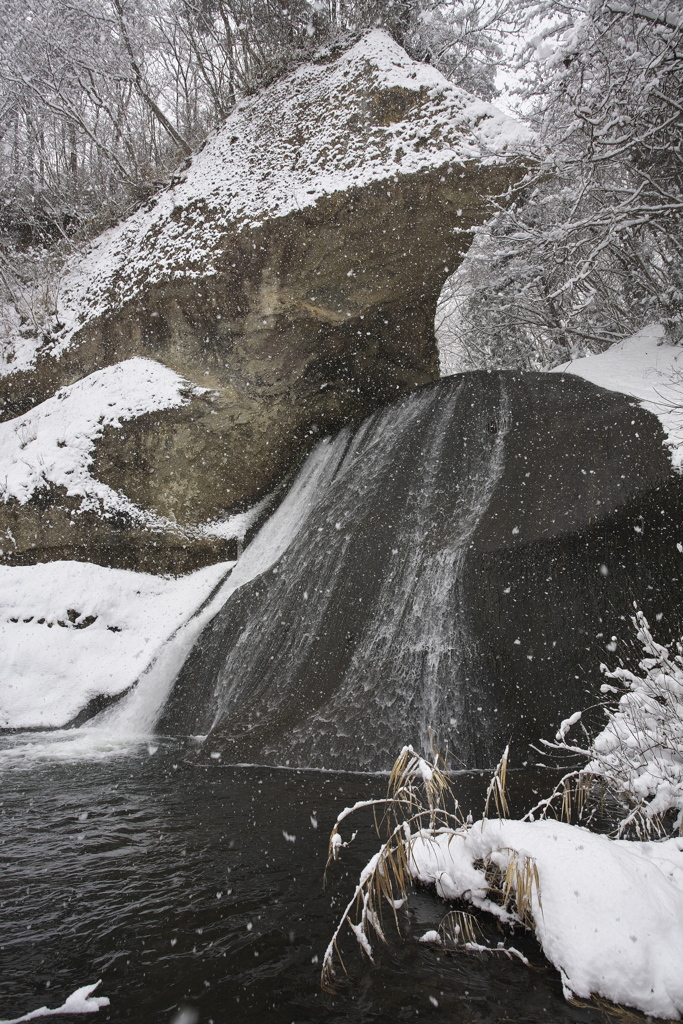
594 249
100 100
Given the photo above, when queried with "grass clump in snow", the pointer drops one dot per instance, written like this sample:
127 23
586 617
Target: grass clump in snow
418 796
607 913
419 810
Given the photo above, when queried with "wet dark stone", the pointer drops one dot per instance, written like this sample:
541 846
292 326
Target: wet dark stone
458 582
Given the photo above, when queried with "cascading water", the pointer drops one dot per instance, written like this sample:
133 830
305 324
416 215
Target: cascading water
357 638
435 575
139 710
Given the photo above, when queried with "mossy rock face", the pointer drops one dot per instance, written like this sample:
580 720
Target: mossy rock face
299 309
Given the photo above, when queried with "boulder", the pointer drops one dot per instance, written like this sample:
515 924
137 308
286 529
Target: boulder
459 576
288 277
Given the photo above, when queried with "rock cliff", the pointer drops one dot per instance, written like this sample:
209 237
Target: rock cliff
287 280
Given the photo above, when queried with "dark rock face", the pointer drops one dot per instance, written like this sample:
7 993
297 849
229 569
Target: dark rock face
458 580
294 271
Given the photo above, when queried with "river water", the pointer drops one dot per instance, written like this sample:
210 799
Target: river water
201 887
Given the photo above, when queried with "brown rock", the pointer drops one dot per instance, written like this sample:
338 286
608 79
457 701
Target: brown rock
294 271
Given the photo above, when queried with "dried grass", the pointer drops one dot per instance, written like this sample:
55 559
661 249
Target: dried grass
420 801
460 929
613 1011
497 788
418 797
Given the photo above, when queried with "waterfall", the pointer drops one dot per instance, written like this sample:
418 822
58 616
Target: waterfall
139 710
356 640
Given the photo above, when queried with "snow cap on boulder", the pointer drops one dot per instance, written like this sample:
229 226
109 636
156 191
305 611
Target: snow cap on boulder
292 269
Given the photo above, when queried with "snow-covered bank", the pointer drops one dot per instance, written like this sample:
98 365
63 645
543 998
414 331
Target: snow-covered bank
607 913
53 444
80 1001
648 368
72 631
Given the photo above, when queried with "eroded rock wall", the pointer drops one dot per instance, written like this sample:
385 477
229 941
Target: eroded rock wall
293 271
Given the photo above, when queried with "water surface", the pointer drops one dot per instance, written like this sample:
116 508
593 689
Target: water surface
185 885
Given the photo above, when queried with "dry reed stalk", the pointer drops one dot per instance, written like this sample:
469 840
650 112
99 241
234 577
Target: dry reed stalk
568 800
460 928
497 788
521 877
417 793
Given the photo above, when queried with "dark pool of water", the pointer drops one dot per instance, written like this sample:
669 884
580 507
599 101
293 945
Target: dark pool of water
177 886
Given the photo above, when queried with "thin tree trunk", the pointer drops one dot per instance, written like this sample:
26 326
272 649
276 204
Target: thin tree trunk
139 81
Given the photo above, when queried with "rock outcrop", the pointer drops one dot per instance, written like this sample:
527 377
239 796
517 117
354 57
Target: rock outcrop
459 578
289 277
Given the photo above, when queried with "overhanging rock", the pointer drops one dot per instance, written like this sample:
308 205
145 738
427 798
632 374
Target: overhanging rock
292 271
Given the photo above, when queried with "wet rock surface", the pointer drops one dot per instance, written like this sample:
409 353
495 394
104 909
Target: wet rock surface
458 581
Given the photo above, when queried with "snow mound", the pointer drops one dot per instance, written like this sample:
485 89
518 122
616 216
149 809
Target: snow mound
373 114
73 631
608 913
53 443
80 1001
648 368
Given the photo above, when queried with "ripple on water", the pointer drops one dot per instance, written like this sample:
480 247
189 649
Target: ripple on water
176 885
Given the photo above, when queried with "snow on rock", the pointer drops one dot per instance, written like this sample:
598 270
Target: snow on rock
74 631
647 367
53 443
293 268
608 913
281 151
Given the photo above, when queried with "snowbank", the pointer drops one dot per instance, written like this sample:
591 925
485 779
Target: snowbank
72 631
648 368
53 444
80 1001
608 913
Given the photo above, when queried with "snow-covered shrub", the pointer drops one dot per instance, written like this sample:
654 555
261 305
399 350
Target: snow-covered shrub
608 914
639 753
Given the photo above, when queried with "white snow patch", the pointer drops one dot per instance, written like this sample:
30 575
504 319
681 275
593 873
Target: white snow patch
648 368
238 525
80 1001
610 912
53 443
49 672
